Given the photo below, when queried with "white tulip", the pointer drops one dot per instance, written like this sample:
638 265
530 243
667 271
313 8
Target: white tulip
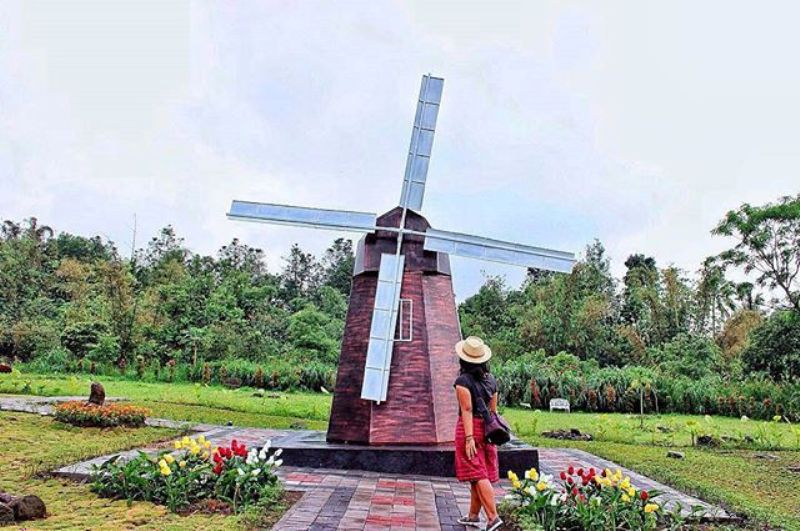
279 462
278 452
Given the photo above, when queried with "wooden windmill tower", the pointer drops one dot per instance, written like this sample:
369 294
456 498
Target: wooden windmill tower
397 364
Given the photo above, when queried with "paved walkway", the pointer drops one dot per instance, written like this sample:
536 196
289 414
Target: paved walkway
355 500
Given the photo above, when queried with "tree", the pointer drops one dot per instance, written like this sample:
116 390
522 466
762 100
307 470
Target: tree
747 298
736 332
767 243
775 347
301 274
715 297
36 232
640 298
337 266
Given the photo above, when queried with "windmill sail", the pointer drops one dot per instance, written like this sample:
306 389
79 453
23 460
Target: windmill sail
382 328
309 217
498 251
419 153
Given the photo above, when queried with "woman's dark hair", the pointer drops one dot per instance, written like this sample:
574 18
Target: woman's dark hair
476 370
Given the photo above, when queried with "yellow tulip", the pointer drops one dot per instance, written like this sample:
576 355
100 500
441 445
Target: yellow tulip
166 471
194 450
177 444
650 508
533 474
541 486
185 441
201 439
206 455
625 498
169 459
163 464
516 483
631 492
207 444
512 476
182 464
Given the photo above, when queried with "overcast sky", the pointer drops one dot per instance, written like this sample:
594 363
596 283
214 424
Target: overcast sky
638 123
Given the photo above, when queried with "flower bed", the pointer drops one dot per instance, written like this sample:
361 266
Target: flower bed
234 475
587 499
106 416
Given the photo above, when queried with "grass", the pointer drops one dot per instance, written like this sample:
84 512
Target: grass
733 475
33 444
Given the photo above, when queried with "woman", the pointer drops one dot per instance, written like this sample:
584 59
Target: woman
476 459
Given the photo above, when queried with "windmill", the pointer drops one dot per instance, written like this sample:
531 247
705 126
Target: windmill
396 368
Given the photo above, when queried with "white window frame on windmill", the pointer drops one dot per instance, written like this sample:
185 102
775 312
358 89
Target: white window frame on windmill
405 327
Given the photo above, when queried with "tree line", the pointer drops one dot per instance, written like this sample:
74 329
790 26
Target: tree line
69 302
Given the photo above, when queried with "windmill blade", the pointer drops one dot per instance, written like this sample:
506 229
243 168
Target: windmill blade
309 217
419 153
498 251
382 328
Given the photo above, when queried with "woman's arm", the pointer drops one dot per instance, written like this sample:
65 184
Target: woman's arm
493 404
465 403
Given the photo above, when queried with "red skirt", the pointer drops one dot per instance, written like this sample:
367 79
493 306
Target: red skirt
484 465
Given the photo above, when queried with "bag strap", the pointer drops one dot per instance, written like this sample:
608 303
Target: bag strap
483 411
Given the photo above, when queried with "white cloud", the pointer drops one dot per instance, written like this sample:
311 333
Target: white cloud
636 123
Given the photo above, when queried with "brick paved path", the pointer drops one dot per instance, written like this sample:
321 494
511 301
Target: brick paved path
356 500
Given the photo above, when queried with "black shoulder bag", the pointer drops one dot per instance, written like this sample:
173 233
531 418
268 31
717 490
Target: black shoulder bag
495 427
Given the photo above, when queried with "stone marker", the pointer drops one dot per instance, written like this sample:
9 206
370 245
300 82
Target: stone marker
5 368
675 455
97 395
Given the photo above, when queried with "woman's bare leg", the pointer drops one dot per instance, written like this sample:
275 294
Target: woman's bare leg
486 495
474 500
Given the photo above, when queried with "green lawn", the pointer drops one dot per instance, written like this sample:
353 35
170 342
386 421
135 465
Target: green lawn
33 444
736 475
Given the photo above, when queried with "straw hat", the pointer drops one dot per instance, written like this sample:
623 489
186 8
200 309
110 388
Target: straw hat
473 350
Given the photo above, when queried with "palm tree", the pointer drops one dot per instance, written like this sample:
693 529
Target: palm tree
10 230
36 232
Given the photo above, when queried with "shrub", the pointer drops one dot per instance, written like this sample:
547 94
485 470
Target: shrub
106 416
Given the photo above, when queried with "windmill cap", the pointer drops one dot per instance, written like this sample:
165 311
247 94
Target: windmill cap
473 350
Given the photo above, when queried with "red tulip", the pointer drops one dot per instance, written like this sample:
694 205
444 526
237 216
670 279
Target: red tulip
563 476
574 491
571 470
580 472
644 495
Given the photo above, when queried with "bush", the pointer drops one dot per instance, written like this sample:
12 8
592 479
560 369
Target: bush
106 416
234 474
536 379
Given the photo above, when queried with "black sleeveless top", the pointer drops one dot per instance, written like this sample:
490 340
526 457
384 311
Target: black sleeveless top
485 388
